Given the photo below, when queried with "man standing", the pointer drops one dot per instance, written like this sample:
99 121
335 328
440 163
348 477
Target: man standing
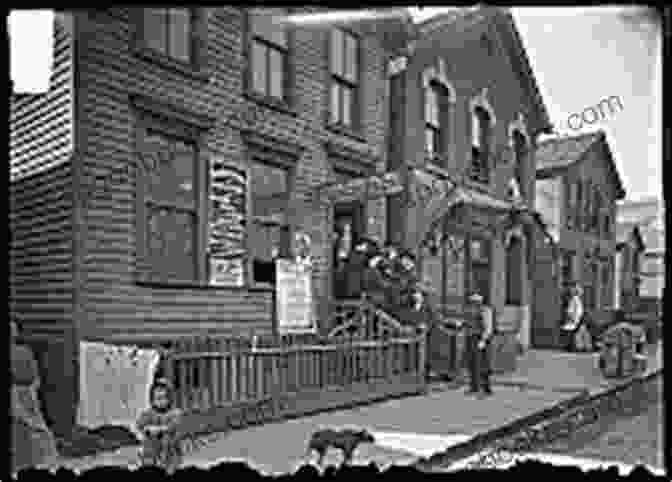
479 331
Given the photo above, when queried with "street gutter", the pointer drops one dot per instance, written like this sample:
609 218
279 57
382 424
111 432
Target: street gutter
563 407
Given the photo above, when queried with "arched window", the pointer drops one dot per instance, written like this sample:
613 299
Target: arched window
480 145
433 138
520 156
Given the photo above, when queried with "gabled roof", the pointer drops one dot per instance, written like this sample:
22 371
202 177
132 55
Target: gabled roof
559 153
466 17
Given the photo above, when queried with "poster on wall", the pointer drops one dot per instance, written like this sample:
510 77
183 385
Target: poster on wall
294 299
226 243
432 276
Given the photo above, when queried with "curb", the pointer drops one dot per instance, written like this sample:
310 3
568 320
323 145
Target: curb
554 412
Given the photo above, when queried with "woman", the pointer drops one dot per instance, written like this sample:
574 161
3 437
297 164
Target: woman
33 444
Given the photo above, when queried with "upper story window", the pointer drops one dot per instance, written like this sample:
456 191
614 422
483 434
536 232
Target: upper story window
480 145
520 153
269 234
570 203
268 52
169 32
578 208
597 211
433 138
344 70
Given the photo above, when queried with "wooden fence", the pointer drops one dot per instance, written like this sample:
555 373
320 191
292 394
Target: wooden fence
223 383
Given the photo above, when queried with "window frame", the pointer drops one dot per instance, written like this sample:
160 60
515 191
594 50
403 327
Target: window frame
438 128
250 39
340 80
480 172
179 130
256 155
198 45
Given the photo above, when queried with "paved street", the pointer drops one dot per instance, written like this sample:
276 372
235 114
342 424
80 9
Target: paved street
632 440
405 428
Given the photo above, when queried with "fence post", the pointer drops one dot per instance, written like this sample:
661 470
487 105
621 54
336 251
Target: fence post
422 353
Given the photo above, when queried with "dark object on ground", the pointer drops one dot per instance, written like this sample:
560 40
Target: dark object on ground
346 441
83 442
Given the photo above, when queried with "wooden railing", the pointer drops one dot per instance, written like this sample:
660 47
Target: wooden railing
222 380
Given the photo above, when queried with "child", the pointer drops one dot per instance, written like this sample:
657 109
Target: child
159 426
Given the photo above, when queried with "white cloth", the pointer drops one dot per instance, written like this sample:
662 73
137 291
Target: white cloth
114 384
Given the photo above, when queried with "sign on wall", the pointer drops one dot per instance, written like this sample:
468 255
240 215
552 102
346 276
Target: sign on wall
226 241
294 299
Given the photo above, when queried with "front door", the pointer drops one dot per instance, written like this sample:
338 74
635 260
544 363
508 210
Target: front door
348 229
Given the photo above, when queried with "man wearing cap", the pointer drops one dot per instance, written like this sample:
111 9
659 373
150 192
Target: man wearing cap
479 332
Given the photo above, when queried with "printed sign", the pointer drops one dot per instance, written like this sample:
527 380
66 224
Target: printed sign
455 267
294 299
227 272
226 241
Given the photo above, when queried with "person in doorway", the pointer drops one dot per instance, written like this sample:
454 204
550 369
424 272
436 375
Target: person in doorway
479 334
571 328
33 444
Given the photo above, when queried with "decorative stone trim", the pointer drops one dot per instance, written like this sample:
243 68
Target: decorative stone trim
481 100
438 75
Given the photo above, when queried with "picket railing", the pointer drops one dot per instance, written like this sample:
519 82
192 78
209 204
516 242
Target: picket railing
210 373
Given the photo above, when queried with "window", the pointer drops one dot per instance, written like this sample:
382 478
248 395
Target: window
480 145
268 55
570 204
606 291
514 272
169 31
170 207
433 141
344 68
567 267
578 207
595 211
269 234
520 153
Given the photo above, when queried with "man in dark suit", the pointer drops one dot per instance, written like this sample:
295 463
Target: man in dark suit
479 327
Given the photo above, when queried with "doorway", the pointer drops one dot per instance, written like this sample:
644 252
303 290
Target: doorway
348 230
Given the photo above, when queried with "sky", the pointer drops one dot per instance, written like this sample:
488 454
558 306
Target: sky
580 57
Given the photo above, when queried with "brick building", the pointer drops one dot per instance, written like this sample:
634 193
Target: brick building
176 153
590 185
464 116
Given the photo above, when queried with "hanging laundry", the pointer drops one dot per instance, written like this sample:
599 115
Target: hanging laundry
114 384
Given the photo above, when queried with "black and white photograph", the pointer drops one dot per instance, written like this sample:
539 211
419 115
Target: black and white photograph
419 237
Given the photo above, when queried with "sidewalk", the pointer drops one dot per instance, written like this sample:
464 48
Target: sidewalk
406 428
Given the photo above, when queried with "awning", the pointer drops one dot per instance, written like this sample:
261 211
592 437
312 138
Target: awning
445 195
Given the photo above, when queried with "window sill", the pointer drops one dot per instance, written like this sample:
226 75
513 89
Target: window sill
270 102
344 130
201 285
167 62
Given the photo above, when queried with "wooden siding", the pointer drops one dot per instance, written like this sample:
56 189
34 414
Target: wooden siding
41 139
116 306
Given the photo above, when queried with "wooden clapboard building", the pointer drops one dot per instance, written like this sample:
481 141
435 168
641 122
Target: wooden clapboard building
464 116
177 153
590 184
